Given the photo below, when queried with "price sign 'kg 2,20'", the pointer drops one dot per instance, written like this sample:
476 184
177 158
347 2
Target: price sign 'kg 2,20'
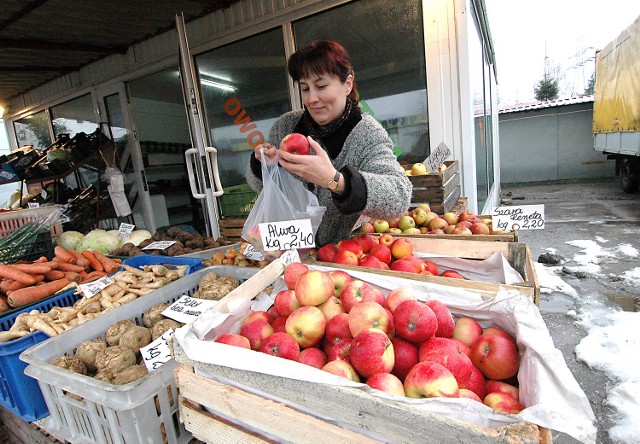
525 217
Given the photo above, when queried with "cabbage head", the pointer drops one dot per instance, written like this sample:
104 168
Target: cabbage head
99 240
69 239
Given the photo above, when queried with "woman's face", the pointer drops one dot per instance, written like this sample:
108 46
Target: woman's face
325 96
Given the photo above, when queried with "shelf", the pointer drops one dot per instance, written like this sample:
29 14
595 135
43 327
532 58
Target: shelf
64 174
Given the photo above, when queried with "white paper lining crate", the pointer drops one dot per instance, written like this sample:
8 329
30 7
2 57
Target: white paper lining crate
12 220
251 406
144 411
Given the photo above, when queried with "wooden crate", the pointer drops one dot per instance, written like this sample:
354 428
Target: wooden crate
517 254
440 190
231 228
253 407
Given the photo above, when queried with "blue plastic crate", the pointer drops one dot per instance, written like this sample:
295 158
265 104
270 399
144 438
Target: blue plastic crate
20 393
193 264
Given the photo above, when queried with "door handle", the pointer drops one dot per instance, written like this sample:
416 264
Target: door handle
191 158
212 165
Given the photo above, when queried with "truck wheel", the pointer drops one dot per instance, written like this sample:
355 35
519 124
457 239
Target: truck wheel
629 175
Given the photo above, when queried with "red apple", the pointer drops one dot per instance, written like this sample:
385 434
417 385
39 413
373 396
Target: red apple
404 266
279 324
327 253
372 352
498 331
437 223
340 279
367 228
414 321
401 247
381 252
314 287
461 346
258 315
503 403
357 291
292 272
306 325
467 330
444 351
430 379
273 312
405 356
368 314
446 323
451 274
398 295
351 245
285 302
234 339
461 230
370 261
281 345
340 350
495 356
312 356
386 382
295 143
366 241
418 263
502 387
451 218
430 266
466 393
386 240
343 369
466 215
338 328
479 228
256 331
345 257
475 383
331 307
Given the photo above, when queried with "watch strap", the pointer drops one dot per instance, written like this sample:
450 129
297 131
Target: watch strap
333 183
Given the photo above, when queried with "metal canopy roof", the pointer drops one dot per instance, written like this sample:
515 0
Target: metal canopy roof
41 40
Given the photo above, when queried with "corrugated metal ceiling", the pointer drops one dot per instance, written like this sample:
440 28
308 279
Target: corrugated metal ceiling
41 40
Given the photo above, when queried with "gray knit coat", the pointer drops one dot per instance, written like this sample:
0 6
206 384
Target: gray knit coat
368 149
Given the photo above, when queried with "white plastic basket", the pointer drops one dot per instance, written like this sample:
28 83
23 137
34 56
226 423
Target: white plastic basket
143 411
12 220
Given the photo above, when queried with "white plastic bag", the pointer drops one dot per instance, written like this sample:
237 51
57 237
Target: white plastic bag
283 197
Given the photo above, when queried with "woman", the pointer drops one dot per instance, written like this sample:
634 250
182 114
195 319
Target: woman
354 170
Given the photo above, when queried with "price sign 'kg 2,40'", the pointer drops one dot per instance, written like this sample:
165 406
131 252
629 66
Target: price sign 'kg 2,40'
525 217
287 235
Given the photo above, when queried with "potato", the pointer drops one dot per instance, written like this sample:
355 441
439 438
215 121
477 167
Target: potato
114 359
88 350
116 330
135 338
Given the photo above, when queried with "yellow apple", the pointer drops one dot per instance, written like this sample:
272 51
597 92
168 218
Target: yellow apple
418 169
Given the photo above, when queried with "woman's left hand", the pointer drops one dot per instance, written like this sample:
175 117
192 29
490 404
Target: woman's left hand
316 169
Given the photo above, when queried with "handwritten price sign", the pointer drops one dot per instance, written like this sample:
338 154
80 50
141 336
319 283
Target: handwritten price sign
287 235
92 288
156 354
125 230
437 157
525 217
187 309
159 245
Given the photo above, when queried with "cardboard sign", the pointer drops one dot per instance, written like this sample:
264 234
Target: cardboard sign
187 309
158 353
437 157
33 205
525 217
159 245
92 288
289 257
287 235
251 252
125 230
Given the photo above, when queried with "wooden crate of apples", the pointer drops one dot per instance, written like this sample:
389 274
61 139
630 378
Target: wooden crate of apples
394 342
421 221
441 189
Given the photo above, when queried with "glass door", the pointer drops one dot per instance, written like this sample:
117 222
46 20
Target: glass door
117 125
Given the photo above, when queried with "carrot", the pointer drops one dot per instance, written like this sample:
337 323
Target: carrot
73 276
93 262
109 265
93 276
15 285
63 266
8 272
64 255
80 259
4 306
27 295
51 264
54 275
35 268
42 259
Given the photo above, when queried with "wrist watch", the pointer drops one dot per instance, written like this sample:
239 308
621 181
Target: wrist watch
333 183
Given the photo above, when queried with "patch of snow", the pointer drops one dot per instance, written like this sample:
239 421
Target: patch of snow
627 250
550 282
601 239
632 277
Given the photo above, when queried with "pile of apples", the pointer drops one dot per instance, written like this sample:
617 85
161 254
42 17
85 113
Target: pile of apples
383 252
419 169
421 220
395 344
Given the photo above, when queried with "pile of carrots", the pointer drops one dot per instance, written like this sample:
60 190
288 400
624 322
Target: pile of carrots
24 283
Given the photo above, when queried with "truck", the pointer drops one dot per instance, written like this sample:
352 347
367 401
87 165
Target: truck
616 105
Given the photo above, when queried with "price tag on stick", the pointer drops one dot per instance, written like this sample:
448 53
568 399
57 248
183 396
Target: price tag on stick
524 217
287 235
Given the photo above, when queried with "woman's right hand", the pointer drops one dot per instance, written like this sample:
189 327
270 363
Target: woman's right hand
270 151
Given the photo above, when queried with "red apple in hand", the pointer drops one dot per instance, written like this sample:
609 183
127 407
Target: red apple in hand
281 345
430 379
386 382
295 143
495 356
372 352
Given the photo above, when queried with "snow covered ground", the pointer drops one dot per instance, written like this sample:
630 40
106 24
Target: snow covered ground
612 343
